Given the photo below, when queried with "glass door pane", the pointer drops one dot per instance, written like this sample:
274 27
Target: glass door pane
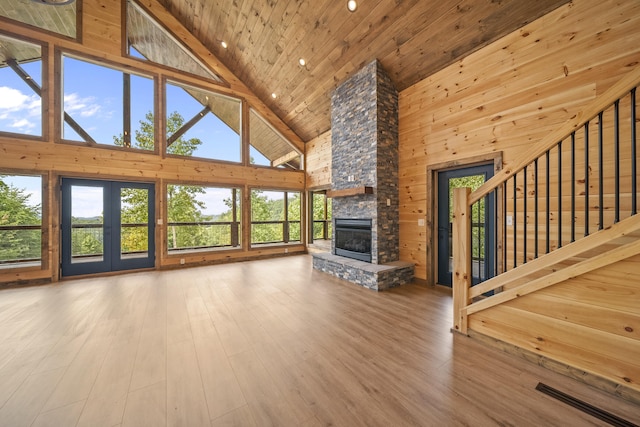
87 224
134 223
481 223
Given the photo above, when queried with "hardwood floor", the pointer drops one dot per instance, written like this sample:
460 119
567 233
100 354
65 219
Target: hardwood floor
260 343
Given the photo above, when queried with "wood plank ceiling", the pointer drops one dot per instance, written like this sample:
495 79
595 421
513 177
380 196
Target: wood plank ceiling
411 38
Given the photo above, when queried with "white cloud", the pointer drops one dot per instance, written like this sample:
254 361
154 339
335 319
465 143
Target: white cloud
22 124
16 108
214 200
86 107
12 99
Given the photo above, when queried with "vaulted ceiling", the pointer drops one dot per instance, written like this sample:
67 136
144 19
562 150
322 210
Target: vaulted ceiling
411 38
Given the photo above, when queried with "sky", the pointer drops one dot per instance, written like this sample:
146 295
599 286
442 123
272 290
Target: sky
98 110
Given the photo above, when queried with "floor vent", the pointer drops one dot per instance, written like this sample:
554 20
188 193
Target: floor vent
585 407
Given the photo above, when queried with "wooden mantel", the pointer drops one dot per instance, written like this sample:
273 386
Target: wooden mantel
349 192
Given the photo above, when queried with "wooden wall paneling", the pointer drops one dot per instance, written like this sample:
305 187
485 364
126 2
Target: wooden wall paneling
606 355
161 219
318 161
512 93
618 322
246 217
47 223
101 26
125 164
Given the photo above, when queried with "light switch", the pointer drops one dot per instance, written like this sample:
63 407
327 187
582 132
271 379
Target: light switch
509 220
388 202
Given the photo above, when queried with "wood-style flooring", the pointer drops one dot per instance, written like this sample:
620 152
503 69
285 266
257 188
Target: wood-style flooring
260 343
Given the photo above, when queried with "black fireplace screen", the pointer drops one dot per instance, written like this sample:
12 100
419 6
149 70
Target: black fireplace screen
353 238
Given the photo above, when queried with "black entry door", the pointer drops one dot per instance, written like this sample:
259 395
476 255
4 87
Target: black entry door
106 226
482 223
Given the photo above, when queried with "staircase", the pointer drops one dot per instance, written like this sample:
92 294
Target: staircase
565 284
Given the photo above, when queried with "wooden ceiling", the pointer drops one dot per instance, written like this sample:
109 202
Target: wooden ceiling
411 38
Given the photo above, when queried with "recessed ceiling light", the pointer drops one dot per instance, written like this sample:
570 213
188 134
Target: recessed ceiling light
274 96
224 44
352 5
302 62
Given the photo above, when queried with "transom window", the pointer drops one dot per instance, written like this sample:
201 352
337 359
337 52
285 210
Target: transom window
148 40
269 147
61 19
20 87
202 124
116 111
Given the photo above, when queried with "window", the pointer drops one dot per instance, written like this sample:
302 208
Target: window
20 221
20 87
104 108
275 217
61 19
202 123
268 147
148 40
321 213
202 218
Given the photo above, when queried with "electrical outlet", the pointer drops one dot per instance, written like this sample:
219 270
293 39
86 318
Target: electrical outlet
159 221
286 250
181 261
421 222
509 220
388 202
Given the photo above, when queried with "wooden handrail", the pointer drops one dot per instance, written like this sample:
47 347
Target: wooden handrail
600 103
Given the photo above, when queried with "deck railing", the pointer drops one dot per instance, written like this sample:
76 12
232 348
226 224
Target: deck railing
574 182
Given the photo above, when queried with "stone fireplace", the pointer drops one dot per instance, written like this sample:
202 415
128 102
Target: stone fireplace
364 187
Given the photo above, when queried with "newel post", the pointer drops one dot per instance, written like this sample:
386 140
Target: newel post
461 257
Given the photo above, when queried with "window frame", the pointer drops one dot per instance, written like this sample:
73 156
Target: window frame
242 130
182 252
47 32
44 89
259 116
45 234
60 53
286 241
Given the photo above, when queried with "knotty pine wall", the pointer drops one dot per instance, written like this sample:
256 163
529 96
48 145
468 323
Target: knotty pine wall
590 322
503 98
101 40
318 162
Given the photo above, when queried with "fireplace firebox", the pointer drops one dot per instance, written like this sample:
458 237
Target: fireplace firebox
353 238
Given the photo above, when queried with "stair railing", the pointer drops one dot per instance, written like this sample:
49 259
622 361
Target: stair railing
575 181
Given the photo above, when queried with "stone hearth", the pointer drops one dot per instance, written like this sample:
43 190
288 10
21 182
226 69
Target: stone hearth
364 129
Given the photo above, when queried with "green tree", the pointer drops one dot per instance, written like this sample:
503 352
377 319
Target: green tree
16 210
182 205
265 209
319 215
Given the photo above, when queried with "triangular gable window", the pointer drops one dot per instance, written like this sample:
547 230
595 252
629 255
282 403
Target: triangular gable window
147 39
269 147
58 18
